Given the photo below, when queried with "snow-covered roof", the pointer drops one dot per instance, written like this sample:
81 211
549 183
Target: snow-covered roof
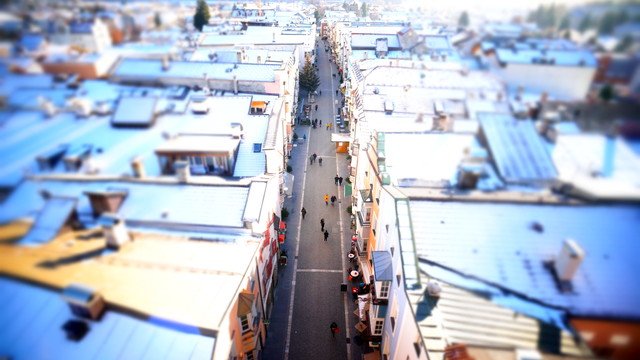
152 69
583 58
34 330
368 41
153 204
30 134
498 244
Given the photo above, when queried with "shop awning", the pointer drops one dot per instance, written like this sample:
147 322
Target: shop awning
245 303
364 269
348 189
288 183
363 306
338 137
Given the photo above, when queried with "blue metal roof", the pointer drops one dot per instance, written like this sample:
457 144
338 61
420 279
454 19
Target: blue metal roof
382 265
517 149
32 320
52 217
496 243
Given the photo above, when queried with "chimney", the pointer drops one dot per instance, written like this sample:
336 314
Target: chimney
137 167
235 84
442 122
183 172
84 301
569 259
165 63
114 229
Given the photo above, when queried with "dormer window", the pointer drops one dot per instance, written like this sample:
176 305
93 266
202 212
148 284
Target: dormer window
245 325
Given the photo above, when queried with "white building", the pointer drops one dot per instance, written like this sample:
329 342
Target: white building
90 36
564 75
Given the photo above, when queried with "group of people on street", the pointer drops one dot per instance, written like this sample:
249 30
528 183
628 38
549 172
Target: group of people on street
333 199
338 180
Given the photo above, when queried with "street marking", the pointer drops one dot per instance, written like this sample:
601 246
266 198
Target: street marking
295 261
320 270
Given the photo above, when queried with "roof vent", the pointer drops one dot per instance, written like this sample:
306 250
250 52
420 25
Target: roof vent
182 170
114 229
433 288
137 167
84 301
569 259
165 63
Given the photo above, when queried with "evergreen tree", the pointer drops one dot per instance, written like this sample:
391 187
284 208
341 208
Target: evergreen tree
201 17
565 24
586 23
607 23
463 21
606 93
157 20
624 44
309 79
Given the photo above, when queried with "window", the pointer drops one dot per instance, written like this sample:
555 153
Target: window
257 147
364 246
244 323
384 289
399 278
392 249
417 347
377 330
250 355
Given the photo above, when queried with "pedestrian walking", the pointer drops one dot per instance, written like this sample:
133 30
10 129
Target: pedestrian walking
326 199
316 107
336 92
322 224
328 125
326 235
320 122
334 329
314 156
320 161
336 179
320 92
333 199
303 212
340 180
311 160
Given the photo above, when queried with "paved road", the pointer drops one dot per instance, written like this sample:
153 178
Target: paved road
313 277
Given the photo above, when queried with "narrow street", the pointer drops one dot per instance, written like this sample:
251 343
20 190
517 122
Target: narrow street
308 296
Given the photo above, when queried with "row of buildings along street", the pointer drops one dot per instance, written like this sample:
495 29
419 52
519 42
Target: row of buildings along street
160 195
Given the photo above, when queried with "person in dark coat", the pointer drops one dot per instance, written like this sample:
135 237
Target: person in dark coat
322 224
326 235
303 212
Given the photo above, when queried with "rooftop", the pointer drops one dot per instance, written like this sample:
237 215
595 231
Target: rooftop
154 276
498 244
547 57
146 204
517 149
152 69
30 134
33 329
